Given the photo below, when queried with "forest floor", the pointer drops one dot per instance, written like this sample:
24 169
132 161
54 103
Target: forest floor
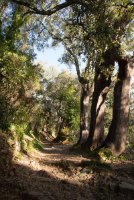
60 173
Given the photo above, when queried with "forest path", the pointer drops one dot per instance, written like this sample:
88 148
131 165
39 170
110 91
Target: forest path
60 173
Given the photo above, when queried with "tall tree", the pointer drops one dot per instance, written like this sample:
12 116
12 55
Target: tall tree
111 26
116 138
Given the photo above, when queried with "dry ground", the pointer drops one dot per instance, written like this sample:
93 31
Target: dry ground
59 173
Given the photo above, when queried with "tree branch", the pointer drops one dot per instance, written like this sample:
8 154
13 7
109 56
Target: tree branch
76 62
51 11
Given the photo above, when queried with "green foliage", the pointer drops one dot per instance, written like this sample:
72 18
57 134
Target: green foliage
25 140
61 104
19 80
4 113
105 154
34 141
38 145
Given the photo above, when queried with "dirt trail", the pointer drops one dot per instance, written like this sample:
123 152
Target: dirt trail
58 173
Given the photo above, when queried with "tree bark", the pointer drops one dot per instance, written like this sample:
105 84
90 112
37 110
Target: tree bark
84 112
102 82
116 138
101 88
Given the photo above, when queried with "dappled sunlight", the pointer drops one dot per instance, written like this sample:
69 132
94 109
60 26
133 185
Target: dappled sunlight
57 177
64 175
36 179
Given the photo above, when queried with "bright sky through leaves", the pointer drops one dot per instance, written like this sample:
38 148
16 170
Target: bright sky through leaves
50 57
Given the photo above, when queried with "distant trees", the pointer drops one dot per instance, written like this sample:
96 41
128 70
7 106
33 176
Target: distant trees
61 106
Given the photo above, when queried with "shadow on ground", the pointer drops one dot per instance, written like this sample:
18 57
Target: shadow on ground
76 180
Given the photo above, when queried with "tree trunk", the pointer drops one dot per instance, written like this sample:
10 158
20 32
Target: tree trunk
84 112
116 138
102 82
101 88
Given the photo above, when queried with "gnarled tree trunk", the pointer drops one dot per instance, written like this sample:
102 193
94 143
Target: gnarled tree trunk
84 112
116 138
101 88
102 82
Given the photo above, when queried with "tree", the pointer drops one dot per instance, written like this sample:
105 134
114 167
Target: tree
110 45
112 32
101 88
116 138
